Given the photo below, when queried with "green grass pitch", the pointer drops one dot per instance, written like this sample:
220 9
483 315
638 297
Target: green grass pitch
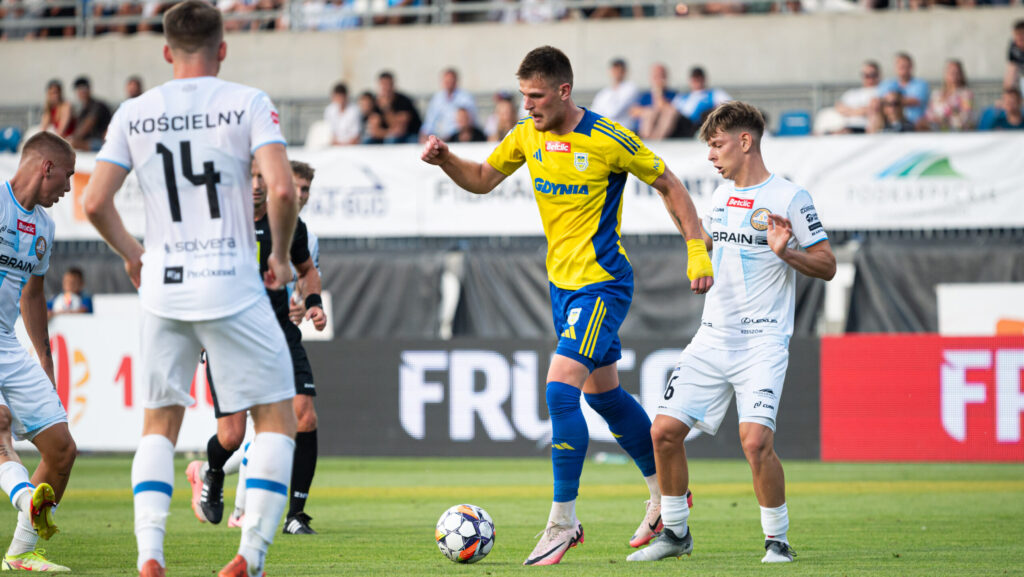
376 518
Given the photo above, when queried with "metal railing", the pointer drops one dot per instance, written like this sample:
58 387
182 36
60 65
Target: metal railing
87 18
297 115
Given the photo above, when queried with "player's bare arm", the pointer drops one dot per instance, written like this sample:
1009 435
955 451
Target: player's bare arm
309 280
104 183
282 211
684 215
33 312
815 261
476 177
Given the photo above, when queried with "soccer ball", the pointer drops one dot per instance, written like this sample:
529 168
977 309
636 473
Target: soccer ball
465 533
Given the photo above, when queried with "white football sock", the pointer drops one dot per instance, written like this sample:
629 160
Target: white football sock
25 536
563 513
15 482
675 513
652 486
243 474
153 485
775 523
269 472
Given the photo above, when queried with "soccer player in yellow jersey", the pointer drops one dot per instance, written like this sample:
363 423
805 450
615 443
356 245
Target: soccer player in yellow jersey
578 161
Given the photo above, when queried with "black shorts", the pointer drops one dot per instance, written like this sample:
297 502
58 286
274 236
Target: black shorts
300 366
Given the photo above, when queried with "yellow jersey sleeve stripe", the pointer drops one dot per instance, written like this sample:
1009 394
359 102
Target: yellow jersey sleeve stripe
590 326
597 330
618 139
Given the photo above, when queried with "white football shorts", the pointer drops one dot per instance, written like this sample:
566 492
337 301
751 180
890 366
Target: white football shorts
252 365
704 380
27 391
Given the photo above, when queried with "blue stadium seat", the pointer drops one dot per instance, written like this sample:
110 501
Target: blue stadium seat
10 137
794 123
988 118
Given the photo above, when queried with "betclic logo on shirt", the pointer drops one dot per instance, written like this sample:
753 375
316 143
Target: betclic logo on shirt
26 227
557 146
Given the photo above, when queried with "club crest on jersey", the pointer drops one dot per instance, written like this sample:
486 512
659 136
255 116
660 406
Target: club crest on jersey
581 160
40 248
574 315
26 227
557 146
759 219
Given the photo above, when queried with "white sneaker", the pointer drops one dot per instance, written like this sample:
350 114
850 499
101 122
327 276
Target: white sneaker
777 552
554 542
665 545
649 527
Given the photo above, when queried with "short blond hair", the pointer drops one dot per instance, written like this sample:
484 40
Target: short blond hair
732 116
48 145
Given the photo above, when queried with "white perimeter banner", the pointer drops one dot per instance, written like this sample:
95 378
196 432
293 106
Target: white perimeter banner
981 309
97 366
899 181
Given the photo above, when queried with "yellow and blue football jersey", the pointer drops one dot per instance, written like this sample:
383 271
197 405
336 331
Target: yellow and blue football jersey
578 181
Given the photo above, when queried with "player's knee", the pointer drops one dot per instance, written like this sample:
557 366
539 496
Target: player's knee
59 451
756 447
666 436
231 438
5 421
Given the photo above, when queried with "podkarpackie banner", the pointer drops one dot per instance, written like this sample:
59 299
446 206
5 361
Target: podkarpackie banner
900 181
922 398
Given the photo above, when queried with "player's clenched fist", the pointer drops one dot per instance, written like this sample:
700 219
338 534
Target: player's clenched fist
435 151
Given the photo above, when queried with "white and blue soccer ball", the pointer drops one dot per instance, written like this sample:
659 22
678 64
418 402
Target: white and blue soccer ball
465 533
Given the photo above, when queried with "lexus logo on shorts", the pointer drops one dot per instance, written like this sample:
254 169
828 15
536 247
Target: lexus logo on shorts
174 274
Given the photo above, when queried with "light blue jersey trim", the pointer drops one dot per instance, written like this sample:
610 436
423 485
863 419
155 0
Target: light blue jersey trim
255 148
816 242
16 203
115 163
756 186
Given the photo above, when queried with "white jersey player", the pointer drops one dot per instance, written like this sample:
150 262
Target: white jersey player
763 229
190 141
29 405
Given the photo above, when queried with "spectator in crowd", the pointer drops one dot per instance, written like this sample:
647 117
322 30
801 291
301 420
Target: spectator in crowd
11 11
890 116
1015 59
57 114
400 115
394 19
950 107
445 104
503 119
700 100
855 104
133 87
914 91
329 15
54 11
93 118
73 299
653 112
343 117
615 100
535 11
1011 117
465 129
373 128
